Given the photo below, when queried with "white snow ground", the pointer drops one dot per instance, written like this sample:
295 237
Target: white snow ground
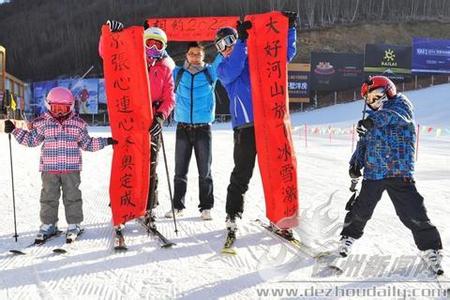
386 264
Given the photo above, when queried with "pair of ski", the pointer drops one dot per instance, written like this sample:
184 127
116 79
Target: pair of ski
37 243
297 244
231 238
119 239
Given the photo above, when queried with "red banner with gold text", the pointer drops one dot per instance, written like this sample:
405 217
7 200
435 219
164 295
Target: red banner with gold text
192 29
267 52
128 98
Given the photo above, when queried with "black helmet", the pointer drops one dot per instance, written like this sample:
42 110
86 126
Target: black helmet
225 37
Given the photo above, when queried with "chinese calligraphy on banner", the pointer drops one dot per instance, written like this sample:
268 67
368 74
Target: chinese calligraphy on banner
192 29
128 97
267 51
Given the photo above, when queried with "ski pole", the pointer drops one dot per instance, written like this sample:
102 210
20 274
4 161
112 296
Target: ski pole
81 78
354 181
168 183
12 187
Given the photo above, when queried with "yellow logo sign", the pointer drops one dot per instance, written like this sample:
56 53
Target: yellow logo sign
389 58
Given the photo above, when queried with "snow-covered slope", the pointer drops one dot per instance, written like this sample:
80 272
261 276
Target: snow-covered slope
432 106
194 268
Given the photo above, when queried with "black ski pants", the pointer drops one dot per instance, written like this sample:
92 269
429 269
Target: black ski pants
408 205
244 155
152 200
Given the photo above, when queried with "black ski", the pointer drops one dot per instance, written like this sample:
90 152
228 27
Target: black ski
69 243
36 243
119 240
287 238
165 242
327 257
229 242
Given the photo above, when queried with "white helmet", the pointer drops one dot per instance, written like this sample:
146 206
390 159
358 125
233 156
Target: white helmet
155 42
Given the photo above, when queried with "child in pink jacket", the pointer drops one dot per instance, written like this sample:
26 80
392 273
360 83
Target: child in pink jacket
62 134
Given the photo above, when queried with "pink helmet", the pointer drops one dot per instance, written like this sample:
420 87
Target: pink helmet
59 101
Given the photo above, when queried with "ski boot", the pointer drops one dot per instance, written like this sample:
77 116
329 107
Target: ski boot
433 259
230 222
73 231
119 240
345 245
150 218
231 225
45 231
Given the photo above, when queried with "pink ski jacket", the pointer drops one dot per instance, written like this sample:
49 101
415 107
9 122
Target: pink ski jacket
61 142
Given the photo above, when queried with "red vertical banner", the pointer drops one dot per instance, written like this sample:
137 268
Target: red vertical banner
267 52
128 98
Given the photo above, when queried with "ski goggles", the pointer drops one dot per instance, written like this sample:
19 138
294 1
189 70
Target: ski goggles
60 109
225 42
151 43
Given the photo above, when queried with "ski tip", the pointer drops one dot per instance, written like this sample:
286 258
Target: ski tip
440 272
17 252
168 245
229 251
120 248
338 271
59 251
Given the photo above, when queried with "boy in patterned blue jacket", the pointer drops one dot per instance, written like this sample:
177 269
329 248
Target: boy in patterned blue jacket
386 152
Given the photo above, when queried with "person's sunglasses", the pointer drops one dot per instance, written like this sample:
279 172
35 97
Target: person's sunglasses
151 43
225 42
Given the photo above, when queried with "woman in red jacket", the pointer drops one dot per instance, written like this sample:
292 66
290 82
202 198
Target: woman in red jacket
160 66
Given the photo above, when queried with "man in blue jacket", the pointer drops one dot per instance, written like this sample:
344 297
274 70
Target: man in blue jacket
234 75
386 152
194 111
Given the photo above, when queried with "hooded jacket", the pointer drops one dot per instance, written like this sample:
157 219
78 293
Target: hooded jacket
61 142
195 97
388 148
234 75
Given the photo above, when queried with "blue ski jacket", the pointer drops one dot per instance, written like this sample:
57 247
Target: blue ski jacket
234 75
388 148
195 97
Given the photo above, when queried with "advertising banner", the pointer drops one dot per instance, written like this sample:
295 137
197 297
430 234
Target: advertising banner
298 82
40 91
336 71
389 60
85 92
430 56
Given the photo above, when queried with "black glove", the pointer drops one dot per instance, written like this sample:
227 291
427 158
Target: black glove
114 26
158 120
242 28
111 141
363 126
292 15
354 171
9 126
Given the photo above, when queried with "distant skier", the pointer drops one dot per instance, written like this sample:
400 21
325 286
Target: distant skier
160 66
386 153
233 73
62 134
